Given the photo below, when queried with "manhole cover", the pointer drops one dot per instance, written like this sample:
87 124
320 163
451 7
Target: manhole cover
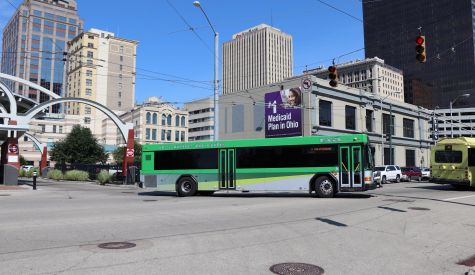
149 200
296 269
116 245
398 200
468 262
419 208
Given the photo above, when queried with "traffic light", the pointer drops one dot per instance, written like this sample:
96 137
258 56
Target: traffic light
333 75
421 48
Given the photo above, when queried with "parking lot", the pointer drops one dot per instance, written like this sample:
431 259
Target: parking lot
402 228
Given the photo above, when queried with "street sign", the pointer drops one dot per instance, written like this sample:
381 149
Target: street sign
306 84
13 148
129 153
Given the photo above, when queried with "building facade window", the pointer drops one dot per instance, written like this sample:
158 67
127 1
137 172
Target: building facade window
87 120
155 119
408 127
177 136
369 121
148 118
163 135
164 119
183 121
350 117
387 125
410 158
88 82
147 133
325 113
89 73
87 110
177 120
387 160
88 92
169 135
169 120
154 134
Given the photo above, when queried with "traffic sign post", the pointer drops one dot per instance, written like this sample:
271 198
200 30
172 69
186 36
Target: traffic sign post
306 84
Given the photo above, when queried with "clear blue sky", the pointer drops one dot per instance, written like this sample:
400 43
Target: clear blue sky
168 49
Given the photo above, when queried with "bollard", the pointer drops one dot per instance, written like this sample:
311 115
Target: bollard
34 180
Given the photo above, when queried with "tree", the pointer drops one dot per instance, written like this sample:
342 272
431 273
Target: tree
22 160
119 153
79 146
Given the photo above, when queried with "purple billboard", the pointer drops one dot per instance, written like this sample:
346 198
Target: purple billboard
283 113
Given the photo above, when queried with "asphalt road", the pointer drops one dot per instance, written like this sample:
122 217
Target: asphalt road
57 230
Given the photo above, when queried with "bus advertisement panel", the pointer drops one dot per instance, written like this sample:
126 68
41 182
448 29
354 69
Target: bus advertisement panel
283 113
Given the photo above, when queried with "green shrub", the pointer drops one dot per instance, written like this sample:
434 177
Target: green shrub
104 177
76 175
55 174
22 173
30 172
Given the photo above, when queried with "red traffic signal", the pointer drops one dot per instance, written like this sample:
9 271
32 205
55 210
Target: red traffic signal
333 76
421 49
420 40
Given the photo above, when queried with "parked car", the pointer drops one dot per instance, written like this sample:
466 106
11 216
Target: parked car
27 168
387 173
410 173
425 173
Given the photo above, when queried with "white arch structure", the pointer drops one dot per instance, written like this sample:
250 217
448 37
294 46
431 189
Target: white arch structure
123 127
38 144
11 97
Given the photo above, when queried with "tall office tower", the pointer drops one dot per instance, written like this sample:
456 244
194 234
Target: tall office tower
34 40
255 57
390 31
101 68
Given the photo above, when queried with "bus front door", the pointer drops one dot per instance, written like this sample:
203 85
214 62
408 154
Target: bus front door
227 169
351 172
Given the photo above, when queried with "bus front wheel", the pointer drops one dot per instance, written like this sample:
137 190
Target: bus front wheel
324 188
186 187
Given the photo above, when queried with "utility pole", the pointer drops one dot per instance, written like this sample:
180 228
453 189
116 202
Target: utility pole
391 133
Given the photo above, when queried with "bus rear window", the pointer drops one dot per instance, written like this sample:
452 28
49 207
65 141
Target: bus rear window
448 156
471 157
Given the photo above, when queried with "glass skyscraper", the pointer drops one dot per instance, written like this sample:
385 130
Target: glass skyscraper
390 30
34 40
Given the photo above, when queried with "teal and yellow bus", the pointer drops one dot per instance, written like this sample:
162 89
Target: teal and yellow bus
453 162
321 164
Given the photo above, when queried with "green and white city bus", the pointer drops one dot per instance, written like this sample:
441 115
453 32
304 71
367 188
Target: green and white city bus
321 164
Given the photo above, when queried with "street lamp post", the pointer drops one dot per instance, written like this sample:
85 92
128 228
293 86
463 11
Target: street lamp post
451 119
216 91
381 99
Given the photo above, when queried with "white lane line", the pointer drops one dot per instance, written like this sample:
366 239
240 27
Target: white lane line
456 198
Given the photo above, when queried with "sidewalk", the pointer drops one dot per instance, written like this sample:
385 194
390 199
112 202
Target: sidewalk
9 188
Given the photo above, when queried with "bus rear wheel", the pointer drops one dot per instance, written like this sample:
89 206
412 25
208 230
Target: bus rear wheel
324 188
186 187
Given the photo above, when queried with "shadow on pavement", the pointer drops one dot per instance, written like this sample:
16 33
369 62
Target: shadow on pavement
157 193
222 194
445 187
